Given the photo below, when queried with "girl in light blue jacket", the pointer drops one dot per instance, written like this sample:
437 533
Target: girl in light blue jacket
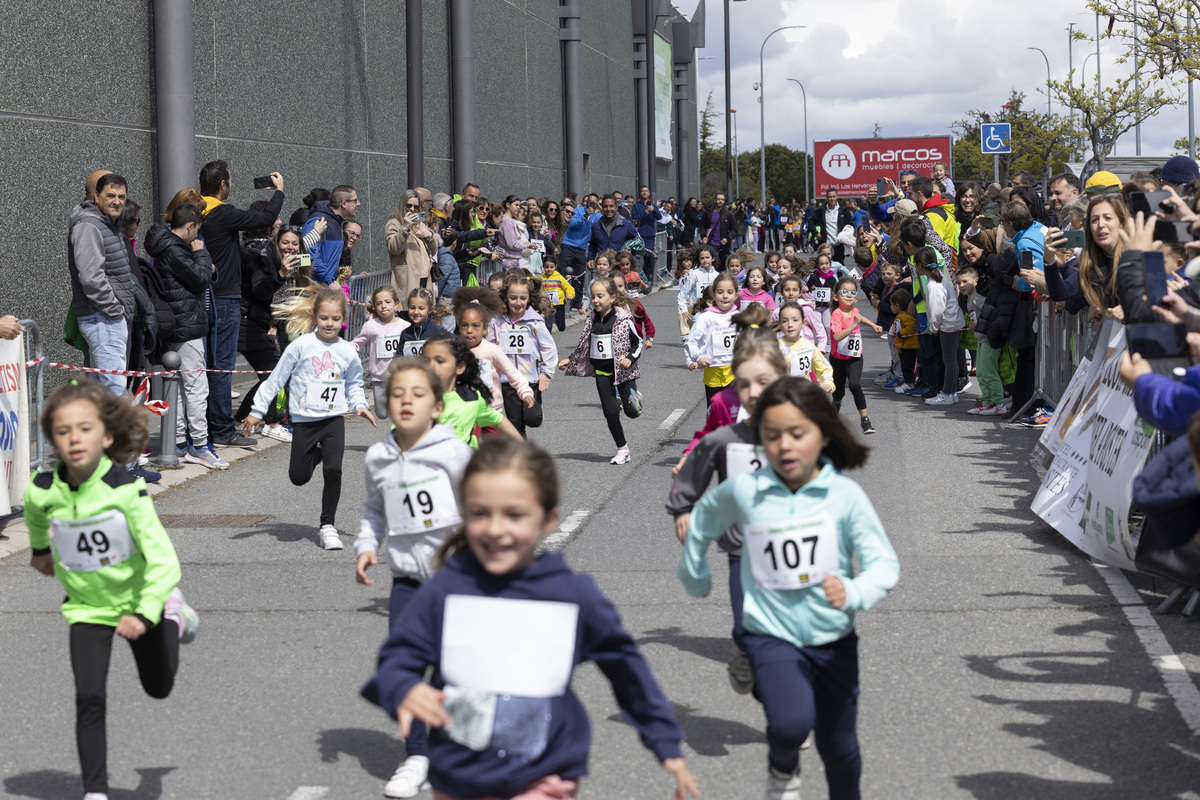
803 523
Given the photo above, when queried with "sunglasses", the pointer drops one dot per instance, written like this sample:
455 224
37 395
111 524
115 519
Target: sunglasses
848 292
413 206
289 229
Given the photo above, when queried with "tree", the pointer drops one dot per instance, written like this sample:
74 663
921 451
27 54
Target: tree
712 154
785 173
1181 145
1036 139
1167 37
1117 109
878 134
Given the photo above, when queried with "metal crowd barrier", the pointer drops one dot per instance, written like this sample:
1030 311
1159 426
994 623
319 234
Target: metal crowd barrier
361 287
1063 341
34 352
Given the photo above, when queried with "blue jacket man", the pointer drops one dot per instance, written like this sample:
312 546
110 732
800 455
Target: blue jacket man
611 231
342 204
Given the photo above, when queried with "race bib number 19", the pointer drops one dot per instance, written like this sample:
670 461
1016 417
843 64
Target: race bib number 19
423 501
792 554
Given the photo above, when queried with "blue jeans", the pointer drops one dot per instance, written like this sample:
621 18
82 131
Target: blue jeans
806 689
224 349
403 589
108 347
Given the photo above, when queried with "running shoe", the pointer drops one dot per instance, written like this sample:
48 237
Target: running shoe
184 616
892 384
234 394
328 537
808 742
883 376
205 456
932 391
277 432
964 384
622 456
975 409
903 388
783 786
867 427
917 390
148 475
991 411
942 399
1040 419
741 676
635 401
410 779
235 440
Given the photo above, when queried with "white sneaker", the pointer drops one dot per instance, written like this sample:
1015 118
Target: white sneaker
277 432
409 779
781 786
808 741
904 387
95 796
942 399
185 616
622 456
328 537
234 394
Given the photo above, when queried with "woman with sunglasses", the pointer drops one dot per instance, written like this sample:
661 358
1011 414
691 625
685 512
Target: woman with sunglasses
512 243
412 246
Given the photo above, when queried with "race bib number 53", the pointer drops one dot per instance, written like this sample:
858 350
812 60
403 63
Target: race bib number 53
792 554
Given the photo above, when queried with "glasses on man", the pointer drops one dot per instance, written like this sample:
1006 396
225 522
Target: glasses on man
848 292
352 236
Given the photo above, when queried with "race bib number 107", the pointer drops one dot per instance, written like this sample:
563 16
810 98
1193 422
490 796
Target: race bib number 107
792 554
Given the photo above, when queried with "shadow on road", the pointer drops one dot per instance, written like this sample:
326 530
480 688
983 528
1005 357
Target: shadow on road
281 531
714 648
378 752
53 784
709 736
595 458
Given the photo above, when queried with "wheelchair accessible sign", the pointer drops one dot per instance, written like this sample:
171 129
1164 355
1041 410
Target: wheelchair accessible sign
995 138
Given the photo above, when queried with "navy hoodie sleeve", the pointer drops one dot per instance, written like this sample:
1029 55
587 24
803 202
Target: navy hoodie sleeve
611 647
412 646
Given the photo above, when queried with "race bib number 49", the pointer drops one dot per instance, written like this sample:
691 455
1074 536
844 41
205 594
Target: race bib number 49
792 555
86 545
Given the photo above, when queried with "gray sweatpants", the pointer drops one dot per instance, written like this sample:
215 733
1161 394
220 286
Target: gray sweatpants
192 413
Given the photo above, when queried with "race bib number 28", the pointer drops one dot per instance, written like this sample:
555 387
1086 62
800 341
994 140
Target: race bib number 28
792 555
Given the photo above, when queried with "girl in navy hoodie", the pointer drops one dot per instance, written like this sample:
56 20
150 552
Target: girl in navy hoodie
425 318
503 629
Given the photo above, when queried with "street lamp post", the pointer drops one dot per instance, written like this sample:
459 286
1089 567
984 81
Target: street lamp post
1043 52
804 94
1071 67
762 112
737 179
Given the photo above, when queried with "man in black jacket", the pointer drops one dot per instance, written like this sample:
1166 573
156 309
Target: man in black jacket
720 228
222 224
827 221
186 271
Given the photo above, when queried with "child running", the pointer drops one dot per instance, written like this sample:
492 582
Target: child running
730 450
641 320
110 553
474 308
381 334
424 316
412 501
804 359
324 378
804 524
693 284
466 401
756 289
710 341
523 337
846 335
558 290
500 630
608 349
822 282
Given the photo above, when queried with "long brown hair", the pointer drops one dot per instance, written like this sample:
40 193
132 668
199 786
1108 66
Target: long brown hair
500 454
842 447
129 425
1093 257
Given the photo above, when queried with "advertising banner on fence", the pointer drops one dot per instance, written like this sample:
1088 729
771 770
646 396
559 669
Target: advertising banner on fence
853 165
1100 446
662 98
14 422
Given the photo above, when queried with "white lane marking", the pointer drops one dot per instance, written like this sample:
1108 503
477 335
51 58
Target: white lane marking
309 793
566 529
1174 675
672 418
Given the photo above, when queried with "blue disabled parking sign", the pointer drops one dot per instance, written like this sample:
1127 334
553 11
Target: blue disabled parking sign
995 138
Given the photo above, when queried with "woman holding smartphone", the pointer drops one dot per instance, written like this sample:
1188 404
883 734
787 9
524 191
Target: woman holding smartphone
411 245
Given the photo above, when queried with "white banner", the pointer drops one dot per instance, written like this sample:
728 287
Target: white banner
14 421
1099 445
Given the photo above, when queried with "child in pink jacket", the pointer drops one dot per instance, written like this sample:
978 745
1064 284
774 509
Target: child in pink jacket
474 308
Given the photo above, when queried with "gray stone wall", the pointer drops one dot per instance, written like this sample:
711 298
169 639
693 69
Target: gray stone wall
318 96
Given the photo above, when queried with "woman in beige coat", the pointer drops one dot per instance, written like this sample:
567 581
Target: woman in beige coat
412 246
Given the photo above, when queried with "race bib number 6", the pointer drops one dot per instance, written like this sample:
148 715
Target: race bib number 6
792 555
601 347
86 545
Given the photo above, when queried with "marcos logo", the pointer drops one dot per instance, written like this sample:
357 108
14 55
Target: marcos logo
839 162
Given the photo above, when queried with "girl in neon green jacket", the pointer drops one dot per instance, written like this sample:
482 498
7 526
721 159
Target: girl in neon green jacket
110 553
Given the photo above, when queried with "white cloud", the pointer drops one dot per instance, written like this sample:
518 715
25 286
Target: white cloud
915 67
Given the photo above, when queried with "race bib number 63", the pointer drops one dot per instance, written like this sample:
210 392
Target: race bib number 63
792 555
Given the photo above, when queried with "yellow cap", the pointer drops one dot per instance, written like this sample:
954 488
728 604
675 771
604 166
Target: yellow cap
1102 182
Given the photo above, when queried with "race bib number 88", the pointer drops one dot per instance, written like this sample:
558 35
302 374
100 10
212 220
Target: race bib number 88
792 555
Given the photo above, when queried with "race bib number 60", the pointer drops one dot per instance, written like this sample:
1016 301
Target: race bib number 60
86 545
792 555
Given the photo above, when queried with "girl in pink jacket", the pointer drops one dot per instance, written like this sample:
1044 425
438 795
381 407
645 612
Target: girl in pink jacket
474 308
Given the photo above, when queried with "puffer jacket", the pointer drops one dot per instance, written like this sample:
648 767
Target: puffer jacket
185 276
260 282
995 319
98 257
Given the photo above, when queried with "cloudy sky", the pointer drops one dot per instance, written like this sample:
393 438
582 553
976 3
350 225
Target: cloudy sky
915 67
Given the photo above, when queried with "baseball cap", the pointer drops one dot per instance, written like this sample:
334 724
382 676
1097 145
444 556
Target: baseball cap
1103 182
905 207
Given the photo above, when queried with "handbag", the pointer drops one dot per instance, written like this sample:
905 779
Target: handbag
634 245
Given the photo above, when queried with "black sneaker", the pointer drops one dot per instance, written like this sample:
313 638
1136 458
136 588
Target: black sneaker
930 392
148 475
867 427
235 440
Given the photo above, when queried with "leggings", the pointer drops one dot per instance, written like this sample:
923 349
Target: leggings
848 370
607 388
417 743
520 416
711 391
379 394
560 316
737 598
950 355
322 443
261 356
156 653
810 688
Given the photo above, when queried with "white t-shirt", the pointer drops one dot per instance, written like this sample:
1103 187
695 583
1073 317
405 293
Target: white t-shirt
831 223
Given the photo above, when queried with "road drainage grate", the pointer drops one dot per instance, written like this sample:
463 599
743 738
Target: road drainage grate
211 520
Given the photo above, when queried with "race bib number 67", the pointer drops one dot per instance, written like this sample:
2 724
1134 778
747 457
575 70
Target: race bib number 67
792 555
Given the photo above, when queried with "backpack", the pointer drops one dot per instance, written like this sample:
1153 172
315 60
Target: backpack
151 282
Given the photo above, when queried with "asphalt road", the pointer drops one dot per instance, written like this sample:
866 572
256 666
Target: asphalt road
1000 667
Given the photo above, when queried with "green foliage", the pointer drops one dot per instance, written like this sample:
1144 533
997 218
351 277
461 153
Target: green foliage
1181 145
1036 139
1168 47
785 173
1115 108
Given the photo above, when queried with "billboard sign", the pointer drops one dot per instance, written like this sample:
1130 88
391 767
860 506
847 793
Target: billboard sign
662 98
853 165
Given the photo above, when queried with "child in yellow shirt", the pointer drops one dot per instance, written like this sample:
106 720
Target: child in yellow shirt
558 289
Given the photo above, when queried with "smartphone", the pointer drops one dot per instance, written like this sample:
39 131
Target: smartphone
263 182
1147 203
880 187
1026 260
421 216
1156 276
1157 339
1075 238
305 260
1170 230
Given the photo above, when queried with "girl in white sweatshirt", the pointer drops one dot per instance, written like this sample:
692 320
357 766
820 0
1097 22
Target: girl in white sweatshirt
946 320
381 336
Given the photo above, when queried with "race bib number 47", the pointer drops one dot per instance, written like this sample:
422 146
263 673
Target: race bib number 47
792 555
326 397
